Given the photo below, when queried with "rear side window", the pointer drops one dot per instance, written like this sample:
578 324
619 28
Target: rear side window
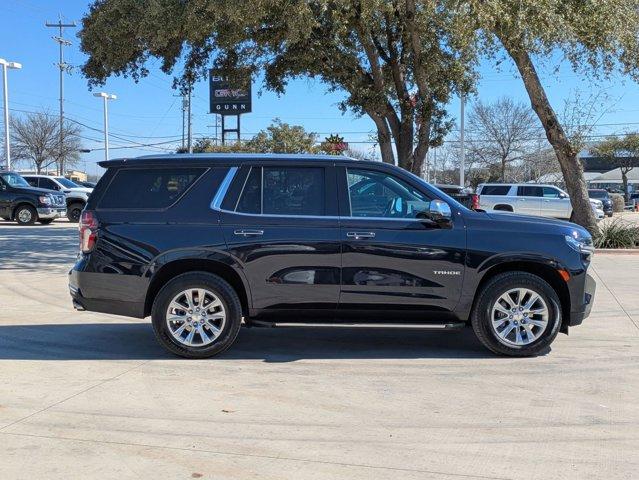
152 188
295 191
530 191
495 189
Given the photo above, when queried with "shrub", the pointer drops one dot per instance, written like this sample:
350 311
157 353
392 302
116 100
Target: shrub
617 234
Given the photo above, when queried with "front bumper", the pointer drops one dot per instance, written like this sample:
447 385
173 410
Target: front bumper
51 212
583 304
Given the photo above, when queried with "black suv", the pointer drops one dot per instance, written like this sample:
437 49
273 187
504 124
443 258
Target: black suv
202 242
25 204
604 196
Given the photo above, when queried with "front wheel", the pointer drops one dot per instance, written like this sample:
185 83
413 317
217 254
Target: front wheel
517 314
196 315
26 215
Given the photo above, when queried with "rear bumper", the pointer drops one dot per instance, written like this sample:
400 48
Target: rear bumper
47 213
583 302
90 282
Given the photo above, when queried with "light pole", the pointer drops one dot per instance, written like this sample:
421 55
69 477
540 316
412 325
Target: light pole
462 163
106 97
7 145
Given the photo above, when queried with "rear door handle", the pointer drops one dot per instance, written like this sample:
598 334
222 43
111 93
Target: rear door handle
358 235
249 233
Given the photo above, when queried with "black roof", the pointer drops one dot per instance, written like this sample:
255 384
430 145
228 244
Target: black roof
223 158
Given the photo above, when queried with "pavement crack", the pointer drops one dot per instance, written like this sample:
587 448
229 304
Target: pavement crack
59 402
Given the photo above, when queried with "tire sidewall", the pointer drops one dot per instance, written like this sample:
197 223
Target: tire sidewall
500 284
225 294
71 208
34 215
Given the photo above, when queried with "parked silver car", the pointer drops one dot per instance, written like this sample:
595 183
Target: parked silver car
530 199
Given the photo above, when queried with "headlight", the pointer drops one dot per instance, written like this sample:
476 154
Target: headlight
45 200
581 242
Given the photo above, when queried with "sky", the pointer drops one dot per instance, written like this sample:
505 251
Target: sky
149 112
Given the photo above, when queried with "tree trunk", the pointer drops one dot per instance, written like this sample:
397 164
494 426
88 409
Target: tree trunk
624 180
571 167
383 138
503 170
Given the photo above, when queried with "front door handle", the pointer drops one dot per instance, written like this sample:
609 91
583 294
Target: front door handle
359 235
249 233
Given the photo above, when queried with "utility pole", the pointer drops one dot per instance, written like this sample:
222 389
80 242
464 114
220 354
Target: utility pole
462 145
7 141
64 67
189 141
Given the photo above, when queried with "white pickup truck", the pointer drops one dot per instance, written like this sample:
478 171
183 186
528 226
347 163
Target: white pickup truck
530 199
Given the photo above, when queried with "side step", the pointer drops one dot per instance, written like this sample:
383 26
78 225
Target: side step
414 326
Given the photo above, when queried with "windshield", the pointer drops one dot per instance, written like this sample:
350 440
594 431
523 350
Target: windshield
67 183
598 193
14 180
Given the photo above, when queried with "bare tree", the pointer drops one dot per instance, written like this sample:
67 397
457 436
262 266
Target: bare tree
501 133
35 139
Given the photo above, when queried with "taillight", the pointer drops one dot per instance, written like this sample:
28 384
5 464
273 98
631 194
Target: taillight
474 201
88 227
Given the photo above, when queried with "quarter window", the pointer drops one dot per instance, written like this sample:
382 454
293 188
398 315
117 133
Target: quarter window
294 191
152 188
374 194
495 189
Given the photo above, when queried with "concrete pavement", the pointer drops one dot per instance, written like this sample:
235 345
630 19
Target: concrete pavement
86 395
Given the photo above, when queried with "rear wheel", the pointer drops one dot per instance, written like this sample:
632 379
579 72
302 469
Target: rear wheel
74 211
26 215
196 315
517 314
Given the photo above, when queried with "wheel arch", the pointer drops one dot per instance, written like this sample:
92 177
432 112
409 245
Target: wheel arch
21 203
179 266
544 270
503 207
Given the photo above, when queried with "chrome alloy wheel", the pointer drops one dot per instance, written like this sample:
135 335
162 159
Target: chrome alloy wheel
519 317
24 215
195 317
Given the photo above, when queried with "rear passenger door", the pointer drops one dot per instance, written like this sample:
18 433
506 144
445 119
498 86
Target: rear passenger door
280 223
528 201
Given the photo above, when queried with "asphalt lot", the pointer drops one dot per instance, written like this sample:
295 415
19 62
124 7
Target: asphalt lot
86 395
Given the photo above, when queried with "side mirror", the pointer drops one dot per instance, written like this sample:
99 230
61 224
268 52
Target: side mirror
440 212
563 195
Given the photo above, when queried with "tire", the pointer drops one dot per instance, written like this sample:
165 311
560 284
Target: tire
45 221
25 215
228 328
74 211
484 312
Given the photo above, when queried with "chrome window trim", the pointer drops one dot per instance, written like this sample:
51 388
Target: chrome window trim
226 183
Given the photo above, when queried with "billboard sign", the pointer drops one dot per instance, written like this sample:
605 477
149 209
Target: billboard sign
226 99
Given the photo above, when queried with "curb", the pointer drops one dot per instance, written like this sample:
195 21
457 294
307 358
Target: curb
617 251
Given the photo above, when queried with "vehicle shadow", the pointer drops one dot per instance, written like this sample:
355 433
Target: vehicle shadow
128 341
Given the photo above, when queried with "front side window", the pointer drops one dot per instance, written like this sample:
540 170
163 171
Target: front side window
48 184
376 194
550 192
294 191
66 182
152 188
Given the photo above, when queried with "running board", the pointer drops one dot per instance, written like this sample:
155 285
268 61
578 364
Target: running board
415 326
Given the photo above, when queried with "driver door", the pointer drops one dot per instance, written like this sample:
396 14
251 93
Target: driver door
393 256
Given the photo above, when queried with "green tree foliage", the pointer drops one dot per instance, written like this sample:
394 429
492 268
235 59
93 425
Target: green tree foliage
281 137
621 153
398 62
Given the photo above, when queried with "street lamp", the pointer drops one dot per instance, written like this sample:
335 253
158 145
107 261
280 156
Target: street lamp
106 97
7 146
